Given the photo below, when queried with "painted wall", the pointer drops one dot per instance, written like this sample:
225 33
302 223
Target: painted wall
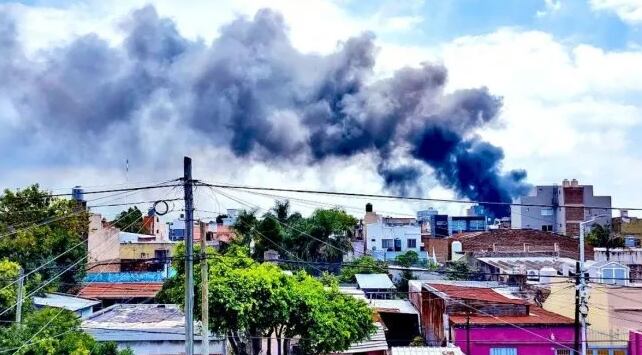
135 250
535 341
102 245
635 343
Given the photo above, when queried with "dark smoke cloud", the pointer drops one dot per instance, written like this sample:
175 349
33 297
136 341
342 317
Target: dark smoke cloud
251 91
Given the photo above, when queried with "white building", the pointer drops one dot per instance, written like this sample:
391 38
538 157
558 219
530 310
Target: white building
389 237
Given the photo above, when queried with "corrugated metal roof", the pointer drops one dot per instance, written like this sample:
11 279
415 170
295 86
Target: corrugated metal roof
376 342
472 293
425 350
353 291
67 302
137 276
374 281
393 306
537 316
520 265
105 290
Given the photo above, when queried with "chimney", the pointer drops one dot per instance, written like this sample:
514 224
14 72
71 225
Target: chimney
565 183
575 183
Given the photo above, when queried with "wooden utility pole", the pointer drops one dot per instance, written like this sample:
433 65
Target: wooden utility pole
205 339
189 256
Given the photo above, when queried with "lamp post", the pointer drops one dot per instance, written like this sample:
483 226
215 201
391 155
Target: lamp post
583 285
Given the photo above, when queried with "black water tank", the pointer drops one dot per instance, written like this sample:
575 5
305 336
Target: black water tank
368 207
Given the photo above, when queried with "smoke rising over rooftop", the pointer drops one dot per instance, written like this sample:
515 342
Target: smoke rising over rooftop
253 92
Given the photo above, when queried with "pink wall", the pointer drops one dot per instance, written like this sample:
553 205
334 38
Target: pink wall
482 339
635 343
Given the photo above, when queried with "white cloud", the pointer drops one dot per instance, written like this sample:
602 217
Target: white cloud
628 10
550 6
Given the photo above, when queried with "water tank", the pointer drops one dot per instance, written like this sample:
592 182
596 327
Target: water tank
455 250
546 275
368 207
77 193
566 183
575 183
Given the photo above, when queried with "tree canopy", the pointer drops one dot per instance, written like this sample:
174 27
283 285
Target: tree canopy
602 237
130 220
52 331
363 265
37 228
324 236
248 299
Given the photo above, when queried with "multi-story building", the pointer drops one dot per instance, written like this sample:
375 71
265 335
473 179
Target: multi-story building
391 236
560 209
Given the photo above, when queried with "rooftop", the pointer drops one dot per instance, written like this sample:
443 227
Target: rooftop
374 281
104 290
471 293
537 316
521 265
61 300
513 240
376 342
393 306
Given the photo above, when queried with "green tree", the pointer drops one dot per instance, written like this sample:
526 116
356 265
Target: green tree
130 221
407 259
52 331
249 300
602 237
363 265
459 270
37 228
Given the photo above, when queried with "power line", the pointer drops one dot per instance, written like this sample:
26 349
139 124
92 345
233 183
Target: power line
410 198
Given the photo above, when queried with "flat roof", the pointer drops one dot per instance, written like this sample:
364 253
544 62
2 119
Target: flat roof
374 281
393 306
68 302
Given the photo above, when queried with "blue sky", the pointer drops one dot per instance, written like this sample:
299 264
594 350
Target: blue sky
568 70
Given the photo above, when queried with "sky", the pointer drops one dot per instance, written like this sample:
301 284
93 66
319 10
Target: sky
568 74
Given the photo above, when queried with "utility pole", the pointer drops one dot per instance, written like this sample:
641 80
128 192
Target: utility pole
576 344
205 339
20 295
189 256
468 332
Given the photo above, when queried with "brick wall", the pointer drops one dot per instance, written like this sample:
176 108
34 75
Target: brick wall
574 195
441 246
574 213
572 229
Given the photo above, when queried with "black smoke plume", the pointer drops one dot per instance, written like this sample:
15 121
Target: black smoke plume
252 91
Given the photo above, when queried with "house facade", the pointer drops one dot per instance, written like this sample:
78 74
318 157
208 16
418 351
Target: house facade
388 237
481 321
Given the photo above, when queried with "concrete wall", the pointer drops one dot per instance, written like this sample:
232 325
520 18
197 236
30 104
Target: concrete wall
523 217
171 347
103 245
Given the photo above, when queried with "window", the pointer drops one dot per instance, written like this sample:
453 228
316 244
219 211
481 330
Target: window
387 244
614 276
562 352
143 255
631 242
458 226
603 352
412 243
503 351
546 211
547 228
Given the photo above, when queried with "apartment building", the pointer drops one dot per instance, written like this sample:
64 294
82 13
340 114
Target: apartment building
560 209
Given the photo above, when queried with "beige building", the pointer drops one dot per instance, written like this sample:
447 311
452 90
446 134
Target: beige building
613 310
110 250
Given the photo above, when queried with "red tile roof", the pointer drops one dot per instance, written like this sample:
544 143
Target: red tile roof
473 293
514 240
104 290
537 316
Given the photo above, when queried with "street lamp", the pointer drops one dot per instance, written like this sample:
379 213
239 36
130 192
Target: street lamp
583 286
